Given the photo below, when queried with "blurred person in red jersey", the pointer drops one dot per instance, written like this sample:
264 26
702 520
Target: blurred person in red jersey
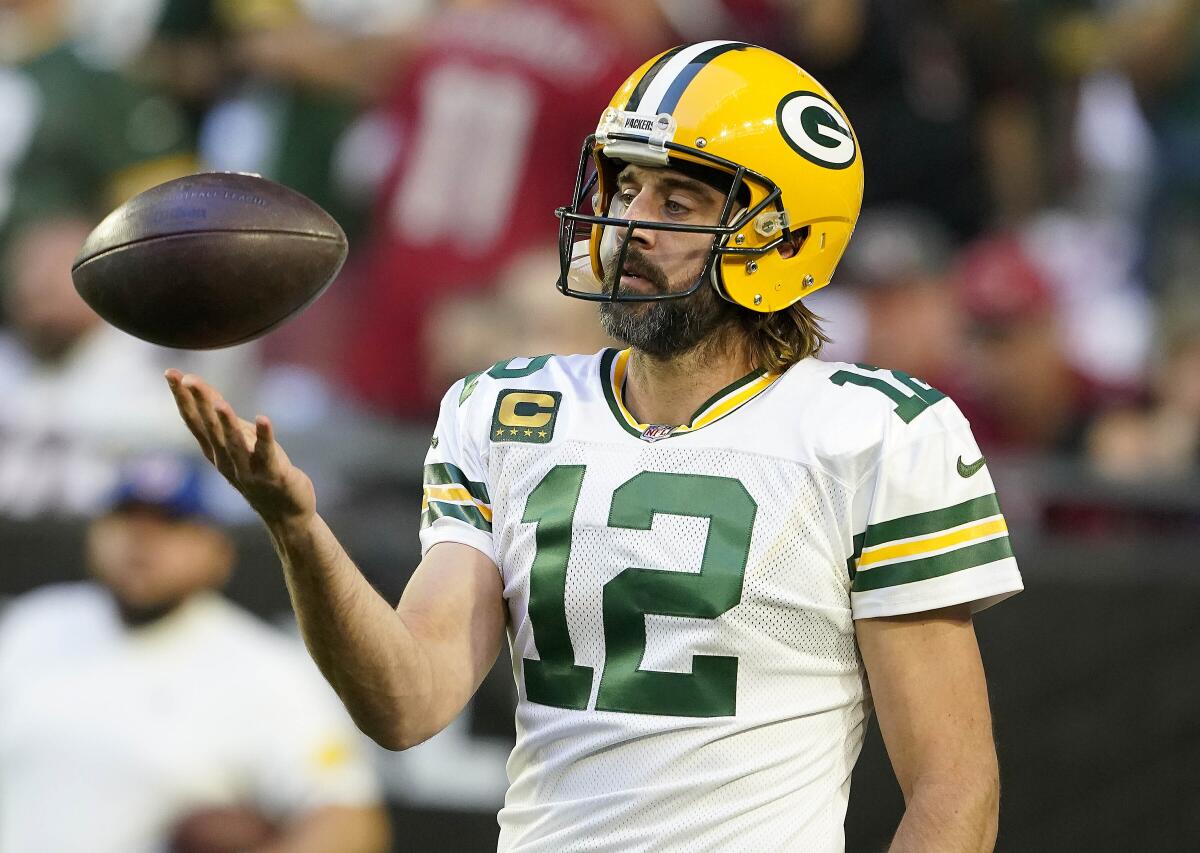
511 316
897 265
1022 392
489 112
141 711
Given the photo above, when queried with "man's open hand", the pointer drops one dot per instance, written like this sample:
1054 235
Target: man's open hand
245 453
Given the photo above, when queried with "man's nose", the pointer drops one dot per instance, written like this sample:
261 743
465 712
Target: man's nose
642 208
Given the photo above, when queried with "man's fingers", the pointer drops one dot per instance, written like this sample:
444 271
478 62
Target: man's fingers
264 444
209 421
235 439
188 411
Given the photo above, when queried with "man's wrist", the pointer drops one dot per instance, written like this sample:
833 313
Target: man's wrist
289 528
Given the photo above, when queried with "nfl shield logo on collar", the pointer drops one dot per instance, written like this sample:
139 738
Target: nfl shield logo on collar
654 432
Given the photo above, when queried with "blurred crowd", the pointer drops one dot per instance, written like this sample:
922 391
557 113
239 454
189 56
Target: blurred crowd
1030 241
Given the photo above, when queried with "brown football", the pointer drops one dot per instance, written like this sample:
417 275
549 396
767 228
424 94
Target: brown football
209 260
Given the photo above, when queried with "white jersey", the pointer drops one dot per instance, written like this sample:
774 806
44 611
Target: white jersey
109 736
682 599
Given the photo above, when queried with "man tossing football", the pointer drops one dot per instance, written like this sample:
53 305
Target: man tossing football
701 548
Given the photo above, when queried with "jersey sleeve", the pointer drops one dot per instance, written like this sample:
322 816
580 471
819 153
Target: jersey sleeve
932 534
455 504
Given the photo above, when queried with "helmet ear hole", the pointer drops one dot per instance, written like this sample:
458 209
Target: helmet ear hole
794 242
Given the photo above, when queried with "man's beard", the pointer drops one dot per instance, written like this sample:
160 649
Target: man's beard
669 327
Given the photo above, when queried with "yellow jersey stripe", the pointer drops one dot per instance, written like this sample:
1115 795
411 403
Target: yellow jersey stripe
454 494
723 407
935 543
618 382
448 493
714 412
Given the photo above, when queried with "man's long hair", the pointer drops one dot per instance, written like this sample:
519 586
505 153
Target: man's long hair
778 340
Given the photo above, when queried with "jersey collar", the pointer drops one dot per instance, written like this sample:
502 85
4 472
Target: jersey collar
613 365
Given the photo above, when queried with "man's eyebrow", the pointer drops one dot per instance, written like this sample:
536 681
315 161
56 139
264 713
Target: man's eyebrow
668 182
687 184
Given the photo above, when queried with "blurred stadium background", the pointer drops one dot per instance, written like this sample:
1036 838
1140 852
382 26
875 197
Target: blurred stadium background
1030 244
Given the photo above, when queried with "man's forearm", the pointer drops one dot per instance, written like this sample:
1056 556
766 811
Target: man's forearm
378 666
952 816
357 639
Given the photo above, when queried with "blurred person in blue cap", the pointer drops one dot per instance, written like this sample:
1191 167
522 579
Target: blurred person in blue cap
142 711
157 545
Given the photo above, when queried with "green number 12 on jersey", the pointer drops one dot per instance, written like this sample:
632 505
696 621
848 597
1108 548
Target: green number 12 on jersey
911 395
710 689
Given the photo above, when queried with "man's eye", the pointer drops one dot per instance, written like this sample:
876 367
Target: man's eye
676 208
626 197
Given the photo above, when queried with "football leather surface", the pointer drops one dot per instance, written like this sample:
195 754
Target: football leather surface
209 260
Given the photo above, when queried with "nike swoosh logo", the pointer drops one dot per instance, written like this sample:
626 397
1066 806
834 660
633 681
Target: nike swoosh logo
965 470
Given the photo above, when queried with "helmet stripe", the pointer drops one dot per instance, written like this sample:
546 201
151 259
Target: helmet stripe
640 90
668 84
670 100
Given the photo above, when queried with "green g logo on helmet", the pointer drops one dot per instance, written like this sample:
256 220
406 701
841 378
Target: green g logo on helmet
816 130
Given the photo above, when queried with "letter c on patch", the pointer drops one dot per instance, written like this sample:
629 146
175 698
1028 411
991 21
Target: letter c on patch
533 410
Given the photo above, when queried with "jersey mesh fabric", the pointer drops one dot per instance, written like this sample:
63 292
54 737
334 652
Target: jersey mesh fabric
777 772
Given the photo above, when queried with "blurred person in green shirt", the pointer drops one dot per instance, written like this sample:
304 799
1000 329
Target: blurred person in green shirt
77 133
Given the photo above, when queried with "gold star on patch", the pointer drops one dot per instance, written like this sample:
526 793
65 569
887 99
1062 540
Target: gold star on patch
499 432
512 432
529 432
541 433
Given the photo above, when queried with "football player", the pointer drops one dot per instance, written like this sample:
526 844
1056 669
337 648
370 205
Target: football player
702 547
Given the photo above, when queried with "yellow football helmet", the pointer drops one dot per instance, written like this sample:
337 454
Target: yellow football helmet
787 152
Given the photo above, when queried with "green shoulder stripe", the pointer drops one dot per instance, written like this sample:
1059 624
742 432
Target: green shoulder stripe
936 520
445 474
895 574
471 515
